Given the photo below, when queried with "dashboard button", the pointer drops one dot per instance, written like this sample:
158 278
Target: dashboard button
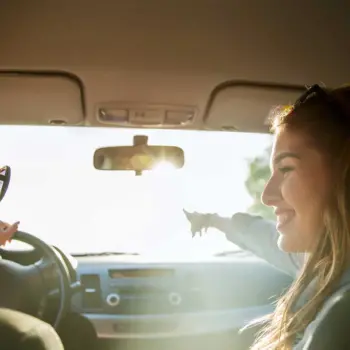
174 299
113 299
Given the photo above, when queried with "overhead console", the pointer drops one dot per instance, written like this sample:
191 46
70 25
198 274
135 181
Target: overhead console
132 114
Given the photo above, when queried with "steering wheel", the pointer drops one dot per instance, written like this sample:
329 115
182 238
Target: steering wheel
27 288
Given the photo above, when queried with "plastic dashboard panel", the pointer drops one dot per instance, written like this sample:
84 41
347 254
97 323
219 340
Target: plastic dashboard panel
231 293
190 324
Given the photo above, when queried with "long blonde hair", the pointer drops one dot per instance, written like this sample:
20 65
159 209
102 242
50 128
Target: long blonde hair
330 134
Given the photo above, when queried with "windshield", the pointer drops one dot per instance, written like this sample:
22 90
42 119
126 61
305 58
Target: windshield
57 195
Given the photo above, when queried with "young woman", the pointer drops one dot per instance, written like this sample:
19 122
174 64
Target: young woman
309 189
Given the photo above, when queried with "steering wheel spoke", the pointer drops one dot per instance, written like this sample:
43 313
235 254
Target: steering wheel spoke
49 274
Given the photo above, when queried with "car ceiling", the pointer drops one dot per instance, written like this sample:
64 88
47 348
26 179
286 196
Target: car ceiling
215 59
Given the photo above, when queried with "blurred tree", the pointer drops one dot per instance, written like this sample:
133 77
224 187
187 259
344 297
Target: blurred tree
259 173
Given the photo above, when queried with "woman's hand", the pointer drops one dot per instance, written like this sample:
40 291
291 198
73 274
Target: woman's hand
199 222
7 231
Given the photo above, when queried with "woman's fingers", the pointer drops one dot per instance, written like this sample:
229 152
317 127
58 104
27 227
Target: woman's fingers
7 231
13 228
5 237
199 222
189 215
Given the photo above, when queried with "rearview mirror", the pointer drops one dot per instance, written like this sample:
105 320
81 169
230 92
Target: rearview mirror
139 157
5 176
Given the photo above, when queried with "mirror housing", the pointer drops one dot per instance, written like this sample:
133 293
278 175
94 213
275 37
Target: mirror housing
139 157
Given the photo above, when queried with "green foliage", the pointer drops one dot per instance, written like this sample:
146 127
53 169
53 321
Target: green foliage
259 173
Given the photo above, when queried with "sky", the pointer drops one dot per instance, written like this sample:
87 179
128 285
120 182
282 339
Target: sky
57 195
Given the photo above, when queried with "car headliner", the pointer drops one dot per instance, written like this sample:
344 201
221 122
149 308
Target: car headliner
168 53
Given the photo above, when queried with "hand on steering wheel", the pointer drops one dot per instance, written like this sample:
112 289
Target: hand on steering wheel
24 288
7 231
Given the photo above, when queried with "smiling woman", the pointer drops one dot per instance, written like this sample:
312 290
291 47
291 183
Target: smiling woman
299 202
309 190
59 196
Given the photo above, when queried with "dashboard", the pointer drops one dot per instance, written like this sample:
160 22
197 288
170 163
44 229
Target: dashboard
130 297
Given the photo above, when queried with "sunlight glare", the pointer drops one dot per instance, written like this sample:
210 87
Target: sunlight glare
164 167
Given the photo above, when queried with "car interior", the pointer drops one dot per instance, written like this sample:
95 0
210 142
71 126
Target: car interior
116 115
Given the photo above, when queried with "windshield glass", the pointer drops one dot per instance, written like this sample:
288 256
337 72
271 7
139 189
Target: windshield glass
57 195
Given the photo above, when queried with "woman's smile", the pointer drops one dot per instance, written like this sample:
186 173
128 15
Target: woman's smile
284 217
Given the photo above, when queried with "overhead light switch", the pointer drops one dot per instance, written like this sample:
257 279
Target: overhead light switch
148 116
178 117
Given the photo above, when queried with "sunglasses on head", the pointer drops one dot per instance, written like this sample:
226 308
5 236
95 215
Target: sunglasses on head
325 97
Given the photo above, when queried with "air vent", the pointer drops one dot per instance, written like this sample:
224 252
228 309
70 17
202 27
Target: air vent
92 298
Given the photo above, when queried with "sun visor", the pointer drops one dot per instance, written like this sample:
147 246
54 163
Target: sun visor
246 106
40 99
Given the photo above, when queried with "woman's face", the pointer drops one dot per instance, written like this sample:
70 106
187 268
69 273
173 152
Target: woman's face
298 190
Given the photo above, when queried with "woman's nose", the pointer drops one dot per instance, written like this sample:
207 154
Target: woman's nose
271 194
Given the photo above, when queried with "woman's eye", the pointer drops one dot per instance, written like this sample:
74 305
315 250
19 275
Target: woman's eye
285 169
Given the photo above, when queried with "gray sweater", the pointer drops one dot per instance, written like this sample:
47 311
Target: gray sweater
259 236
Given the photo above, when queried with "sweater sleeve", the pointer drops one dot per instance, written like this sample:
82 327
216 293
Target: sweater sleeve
260 237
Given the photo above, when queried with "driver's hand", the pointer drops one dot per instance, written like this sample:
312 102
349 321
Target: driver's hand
7 231
199 222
